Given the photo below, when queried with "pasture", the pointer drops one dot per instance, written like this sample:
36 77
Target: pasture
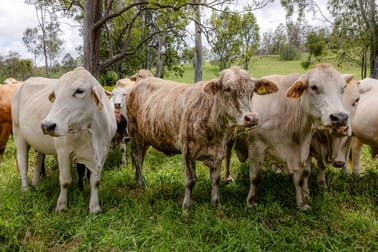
344 217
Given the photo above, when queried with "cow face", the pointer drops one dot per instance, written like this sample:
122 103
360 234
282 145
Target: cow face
233 92
321 91
76 99
119 97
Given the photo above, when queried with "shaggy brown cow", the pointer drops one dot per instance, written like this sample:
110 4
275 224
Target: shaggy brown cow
194 120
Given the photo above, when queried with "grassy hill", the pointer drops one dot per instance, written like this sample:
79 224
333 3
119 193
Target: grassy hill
344 217
266 65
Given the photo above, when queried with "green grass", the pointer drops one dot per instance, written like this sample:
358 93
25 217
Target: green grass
343 217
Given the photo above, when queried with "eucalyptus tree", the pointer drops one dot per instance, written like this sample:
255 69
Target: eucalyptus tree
224 37
96 15
249 32
354 19
30 39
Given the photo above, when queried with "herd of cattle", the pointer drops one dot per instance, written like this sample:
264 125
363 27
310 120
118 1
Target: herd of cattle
321 114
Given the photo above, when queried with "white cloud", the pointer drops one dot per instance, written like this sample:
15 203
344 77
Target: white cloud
16 16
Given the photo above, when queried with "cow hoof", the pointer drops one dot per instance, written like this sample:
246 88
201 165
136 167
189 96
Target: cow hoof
25 188
305 208
251 205
95 210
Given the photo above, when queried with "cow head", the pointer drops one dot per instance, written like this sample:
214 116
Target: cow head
76 99
321 91
233 92
118 96
141 74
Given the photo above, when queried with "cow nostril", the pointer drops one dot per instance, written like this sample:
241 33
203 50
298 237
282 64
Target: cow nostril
339 118
251 119
49 127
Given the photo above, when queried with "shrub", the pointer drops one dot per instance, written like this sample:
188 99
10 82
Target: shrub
289 52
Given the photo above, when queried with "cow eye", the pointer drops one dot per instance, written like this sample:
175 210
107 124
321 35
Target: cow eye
355 102
78 91
315 89
342 90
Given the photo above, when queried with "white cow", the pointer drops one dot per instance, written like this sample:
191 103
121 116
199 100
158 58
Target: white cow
365 122
78 124
287 122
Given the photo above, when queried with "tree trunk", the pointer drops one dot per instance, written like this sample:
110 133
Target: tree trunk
159 55
197 44
92 13
374 42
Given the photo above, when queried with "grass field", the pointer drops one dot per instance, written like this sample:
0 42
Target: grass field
344 217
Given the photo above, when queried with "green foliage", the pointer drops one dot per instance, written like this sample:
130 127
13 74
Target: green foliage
225 39
289 52
109 78
11 65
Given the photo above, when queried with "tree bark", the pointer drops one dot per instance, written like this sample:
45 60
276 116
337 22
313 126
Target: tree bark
91 48
197 44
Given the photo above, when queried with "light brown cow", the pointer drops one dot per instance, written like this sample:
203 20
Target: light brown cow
365 122
6 92
141 74
194 120
288 120
329 146
11 80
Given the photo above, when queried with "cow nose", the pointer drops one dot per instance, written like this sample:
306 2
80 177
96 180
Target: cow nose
251 119
48 127
117 105
338 164
339 118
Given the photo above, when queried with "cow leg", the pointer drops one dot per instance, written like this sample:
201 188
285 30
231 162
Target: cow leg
190 180
39 159
22 161
65 179
321 179
255 161
5 131
94 205
138 150
356 148
227 161
300 177
123 152
214 179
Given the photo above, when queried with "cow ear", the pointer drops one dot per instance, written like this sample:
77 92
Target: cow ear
97 99
296 89
109 94
348 77
263 87
52 97
211 87
363 88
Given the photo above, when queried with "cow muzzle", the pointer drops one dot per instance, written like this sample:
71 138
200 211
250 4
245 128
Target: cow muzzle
251 119
339 119
48 128
338 164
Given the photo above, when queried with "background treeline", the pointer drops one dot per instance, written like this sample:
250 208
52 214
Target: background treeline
122 36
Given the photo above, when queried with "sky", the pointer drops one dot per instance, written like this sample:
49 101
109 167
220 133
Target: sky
16 16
